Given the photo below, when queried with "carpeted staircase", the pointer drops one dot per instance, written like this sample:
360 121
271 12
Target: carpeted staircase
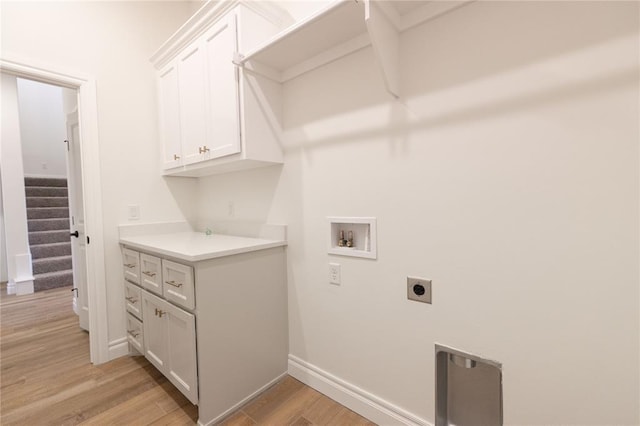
48 223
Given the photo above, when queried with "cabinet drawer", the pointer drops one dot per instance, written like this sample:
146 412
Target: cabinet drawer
133 299
151 273
178 284
135 334
131 262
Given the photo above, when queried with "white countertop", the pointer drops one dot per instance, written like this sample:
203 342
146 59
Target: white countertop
196 246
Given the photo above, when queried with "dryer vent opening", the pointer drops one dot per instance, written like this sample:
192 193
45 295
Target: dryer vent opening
468 389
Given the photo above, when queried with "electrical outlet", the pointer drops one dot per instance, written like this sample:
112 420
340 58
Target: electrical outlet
134 212
334 273
419 290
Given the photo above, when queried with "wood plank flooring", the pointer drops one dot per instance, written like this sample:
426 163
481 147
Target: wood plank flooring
46 379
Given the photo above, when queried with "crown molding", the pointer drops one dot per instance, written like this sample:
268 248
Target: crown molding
207 15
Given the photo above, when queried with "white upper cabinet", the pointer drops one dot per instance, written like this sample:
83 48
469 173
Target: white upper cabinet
169 116
193 114
214 117
220 44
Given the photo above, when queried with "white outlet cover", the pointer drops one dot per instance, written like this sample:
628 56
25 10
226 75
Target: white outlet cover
134 212
334 273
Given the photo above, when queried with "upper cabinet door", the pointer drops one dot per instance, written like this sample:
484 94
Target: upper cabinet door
170 117
192 89
221 42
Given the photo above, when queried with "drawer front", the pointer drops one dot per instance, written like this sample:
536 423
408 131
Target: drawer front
134 333
131 262
151 273
177 284
133 299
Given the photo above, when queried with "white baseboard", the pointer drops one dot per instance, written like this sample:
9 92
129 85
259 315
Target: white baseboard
11 288
362 402
118 348
244 401
24 286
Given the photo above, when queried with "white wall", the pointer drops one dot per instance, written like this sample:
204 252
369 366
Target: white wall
42 129
112 42
14 210
508 173
4 273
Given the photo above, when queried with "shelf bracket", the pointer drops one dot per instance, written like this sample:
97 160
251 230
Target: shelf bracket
385 40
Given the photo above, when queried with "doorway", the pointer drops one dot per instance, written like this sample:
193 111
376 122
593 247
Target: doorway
50 147
87 133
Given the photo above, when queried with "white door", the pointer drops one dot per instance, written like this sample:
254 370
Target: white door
181 337
76 217
191 88
170 117
222 86
155 330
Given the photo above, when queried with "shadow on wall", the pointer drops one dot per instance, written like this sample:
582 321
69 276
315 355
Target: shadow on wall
479 61
243 196
183 191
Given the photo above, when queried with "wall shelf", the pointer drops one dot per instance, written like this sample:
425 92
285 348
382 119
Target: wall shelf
360 231
341 28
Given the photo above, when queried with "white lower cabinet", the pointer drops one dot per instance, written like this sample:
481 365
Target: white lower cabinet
170 343
151 273
135 333
239 302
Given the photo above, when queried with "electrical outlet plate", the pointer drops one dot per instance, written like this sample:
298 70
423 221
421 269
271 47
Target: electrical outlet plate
334 273
419 289
134 212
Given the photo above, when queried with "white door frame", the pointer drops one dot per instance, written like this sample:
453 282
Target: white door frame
92 190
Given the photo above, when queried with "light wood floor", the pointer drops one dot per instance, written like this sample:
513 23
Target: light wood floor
46 379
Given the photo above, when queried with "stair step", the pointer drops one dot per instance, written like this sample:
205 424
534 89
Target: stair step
52 264
33 181
40 251
47 212
47 237
35 225
47 202
51 280
45 191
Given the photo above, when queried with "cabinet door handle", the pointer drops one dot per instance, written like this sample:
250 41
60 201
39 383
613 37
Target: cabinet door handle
159 312
149 273
203 149
173 283
130 265
133 333
131 299
176 157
